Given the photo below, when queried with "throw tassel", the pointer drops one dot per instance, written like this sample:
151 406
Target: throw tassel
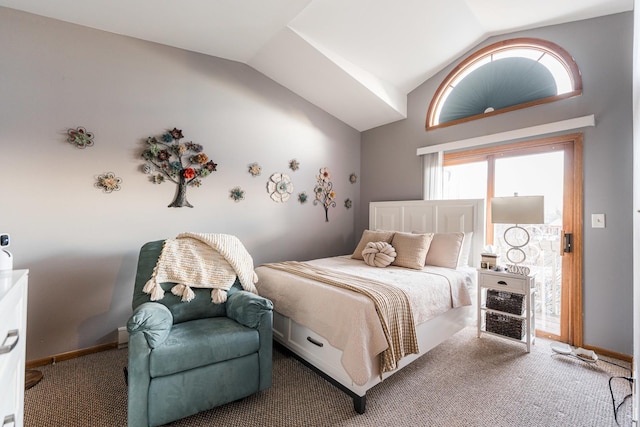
183 291
218 296
154 289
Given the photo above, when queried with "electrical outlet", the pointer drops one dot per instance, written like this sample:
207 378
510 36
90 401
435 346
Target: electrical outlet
597 221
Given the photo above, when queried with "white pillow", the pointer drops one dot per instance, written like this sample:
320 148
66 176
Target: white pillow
465 251
411 249
445 249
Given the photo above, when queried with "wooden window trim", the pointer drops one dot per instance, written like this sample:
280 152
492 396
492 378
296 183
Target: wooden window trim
524 42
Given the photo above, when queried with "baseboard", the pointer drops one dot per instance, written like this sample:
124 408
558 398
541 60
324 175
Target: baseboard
83 352
598 350
608 353
70 355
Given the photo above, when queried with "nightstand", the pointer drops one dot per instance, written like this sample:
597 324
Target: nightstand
499 313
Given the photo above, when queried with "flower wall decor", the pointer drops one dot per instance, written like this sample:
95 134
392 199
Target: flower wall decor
294 165
108 182
182 163
237 194
280 187
80 137
255 169
302 198
348 203
353 178
325 196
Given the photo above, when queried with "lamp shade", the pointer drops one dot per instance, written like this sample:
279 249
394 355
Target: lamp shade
517 210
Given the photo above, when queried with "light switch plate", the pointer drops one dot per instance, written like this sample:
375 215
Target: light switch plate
597 221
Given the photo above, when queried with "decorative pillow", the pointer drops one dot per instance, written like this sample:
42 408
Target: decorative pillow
411 249
445 250
378 254
371 236
465 251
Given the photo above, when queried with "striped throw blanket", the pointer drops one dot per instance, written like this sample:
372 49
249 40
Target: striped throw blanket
391 303
202 260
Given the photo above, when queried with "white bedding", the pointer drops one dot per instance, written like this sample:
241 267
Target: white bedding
348 320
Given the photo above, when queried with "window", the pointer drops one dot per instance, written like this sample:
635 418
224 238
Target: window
502 77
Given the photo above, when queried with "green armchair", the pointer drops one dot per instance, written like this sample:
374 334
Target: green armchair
187 357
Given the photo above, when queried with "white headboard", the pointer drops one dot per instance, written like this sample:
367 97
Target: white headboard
433 216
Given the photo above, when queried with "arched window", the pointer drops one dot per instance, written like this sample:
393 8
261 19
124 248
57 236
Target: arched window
504 76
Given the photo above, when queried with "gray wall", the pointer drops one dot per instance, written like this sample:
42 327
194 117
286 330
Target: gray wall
602 47
81 244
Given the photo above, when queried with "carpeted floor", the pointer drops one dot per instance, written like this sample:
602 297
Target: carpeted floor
465 381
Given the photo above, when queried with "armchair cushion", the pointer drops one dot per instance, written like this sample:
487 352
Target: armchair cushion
200 307
202 342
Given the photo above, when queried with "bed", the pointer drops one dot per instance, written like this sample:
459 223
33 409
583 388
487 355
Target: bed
340 333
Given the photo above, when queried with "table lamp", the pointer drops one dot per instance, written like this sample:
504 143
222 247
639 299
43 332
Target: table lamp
517 210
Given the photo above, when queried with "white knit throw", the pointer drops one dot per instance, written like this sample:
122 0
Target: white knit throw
202 260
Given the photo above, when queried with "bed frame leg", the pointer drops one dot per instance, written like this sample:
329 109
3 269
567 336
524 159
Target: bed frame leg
360 404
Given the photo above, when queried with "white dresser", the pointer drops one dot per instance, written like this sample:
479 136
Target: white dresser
13 327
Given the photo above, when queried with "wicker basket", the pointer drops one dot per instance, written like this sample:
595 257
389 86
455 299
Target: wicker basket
505 325
505 301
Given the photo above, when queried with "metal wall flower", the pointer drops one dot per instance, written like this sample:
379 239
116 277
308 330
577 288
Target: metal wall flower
108 182
294 165
280 187
237 194
353 178
255 169
80 137
348 203
302 198
325 196
182 163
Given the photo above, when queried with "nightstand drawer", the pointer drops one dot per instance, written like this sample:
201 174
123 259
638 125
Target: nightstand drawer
504 282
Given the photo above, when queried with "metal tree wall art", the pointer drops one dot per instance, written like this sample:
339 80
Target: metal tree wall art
182 163
325 196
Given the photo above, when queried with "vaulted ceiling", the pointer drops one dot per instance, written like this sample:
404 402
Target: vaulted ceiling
355 59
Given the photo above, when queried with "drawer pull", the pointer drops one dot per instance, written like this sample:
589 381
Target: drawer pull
315 342
7 348
502 282
9 421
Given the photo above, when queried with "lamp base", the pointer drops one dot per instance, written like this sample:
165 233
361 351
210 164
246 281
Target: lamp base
517 238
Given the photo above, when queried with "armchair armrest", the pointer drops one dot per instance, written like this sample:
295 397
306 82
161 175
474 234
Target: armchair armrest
247 308
152 319
254 311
